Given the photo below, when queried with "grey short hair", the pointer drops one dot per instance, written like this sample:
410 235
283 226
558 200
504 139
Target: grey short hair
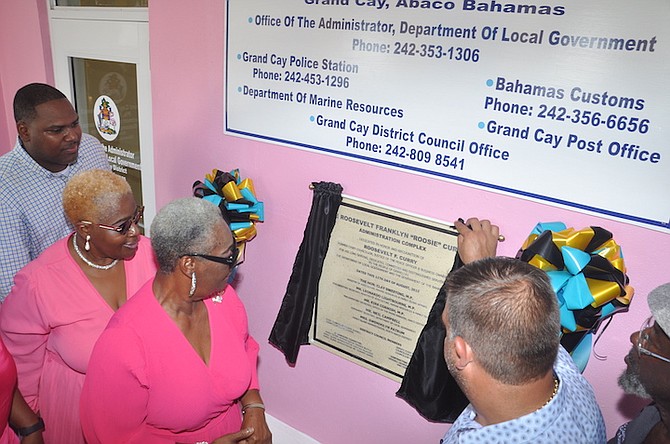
181 227
508 312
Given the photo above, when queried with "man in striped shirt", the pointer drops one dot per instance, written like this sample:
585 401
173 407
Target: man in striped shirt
50 149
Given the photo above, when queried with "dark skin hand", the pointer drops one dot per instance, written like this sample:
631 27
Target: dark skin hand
248 434
22 416
254 428
33 438
232 438
255 419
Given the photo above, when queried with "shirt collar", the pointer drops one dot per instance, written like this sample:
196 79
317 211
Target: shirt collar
471 432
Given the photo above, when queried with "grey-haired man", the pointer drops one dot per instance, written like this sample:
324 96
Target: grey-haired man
647 374
502 326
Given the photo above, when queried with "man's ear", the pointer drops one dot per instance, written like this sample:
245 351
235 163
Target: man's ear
23 131
464 355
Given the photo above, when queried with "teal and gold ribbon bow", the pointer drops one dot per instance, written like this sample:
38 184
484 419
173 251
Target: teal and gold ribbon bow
587 271
236 198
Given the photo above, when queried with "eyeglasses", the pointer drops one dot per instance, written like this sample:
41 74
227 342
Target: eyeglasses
643 339
236 257
125 225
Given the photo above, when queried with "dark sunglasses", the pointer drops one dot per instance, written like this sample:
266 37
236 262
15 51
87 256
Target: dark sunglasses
124 226
231 260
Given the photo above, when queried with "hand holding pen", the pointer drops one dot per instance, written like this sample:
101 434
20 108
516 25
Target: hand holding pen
477 239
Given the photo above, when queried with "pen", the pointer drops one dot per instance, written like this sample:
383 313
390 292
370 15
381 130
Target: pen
501 238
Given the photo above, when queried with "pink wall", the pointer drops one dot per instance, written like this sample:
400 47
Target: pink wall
326 397
25 57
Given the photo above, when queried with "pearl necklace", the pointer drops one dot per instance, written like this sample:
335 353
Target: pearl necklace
86 261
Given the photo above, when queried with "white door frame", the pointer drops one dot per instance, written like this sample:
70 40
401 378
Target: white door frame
125 33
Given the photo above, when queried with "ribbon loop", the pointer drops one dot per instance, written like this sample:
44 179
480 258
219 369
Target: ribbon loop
586 270
236 199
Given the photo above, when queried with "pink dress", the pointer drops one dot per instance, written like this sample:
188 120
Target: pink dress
50 322
7 384
146 384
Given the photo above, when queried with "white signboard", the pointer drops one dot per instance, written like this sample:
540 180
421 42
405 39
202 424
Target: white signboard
559 102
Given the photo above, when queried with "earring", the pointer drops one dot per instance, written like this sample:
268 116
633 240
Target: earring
87 245
193 282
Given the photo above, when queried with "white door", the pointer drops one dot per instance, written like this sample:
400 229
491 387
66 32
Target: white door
101 62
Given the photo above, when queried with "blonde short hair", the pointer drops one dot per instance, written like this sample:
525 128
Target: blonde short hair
93 194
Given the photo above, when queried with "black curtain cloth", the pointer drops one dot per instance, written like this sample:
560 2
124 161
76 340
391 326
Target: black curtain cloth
291 328
427 385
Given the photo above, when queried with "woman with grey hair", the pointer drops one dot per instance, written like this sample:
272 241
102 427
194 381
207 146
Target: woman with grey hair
62 301
176 363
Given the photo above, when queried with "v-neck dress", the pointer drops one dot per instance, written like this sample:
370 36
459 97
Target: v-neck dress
146 384
50 322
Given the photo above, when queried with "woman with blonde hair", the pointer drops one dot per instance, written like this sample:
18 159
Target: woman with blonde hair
62 301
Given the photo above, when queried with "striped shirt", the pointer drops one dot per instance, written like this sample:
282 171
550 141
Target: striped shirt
32 208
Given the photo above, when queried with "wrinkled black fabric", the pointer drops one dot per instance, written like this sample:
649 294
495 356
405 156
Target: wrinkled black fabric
291 328
427 385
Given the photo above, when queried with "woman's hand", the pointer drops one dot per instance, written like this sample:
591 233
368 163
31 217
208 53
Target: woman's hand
22 416
255 418
253 415
235 438
33 438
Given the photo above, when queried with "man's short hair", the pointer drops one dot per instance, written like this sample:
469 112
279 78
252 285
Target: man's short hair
507 311
659 304
31 95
